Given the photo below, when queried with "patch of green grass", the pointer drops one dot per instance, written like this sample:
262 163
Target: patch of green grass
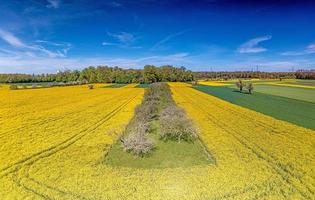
168 154
300 82
116 85
304 94
143 85
298 112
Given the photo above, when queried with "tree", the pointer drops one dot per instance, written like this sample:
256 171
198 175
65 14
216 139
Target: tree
240 84
150 74
250 88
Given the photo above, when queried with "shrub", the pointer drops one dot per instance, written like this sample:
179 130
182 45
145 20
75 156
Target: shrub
176 126
195 82
24 87
240 84
13 87
91 87
137 142
250 88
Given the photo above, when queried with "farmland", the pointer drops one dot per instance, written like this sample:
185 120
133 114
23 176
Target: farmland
292 104
54 142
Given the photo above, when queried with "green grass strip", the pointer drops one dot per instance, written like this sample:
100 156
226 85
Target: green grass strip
116 85
144 85
298 93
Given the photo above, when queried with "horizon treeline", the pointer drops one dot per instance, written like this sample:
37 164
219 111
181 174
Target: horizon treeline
299 74
149 74
105 74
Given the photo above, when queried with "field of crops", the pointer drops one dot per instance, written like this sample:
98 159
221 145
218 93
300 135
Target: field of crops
53 143
51 126
257 156
292 104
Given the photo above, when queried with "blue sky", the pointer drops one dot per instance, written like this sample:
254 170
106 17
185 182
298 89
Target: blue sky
41 36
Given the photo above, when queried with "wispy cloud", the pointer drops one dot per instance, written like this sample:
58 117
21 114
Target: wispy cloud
48 64
53 4
11 39
115 4
110 44
122 40
22 49
160 43
251 45
310 49
123 37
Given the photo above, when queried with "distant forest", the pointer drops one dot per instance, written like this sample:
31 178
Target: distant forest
300 74
149 74
104 74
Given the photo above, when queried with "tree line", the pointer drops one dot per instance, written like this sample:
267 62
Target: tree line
149 74
244 74
299 74
305 74
105 74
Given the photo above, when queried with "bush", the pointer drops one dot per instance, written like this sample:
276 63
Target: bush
240 84
91 87
176 126
250 88
13 87
137 142
24 87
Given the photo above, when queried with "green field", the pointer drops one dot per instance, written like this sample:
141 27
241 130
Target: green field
304 94
298 112
299 82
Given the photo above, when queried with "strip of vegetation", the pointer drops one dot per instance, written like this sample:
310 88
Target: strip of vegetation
115 85
160 135
44 85
143 85
298 112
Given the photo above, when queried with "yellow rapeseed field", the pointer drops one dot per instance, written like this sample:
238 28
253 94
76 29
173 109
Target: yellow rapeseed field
55 125
256 155
53 142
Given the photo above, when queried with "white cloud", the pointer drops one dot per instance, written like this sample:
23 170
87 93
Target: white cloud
122 40
166 39
53 4
11 39
28 64
310 49
115 4
123 37
22 49
251 45
109 44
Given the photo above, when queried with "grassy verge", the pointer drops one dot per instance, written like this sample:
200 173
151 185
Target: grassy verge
167 153
117 85
144 85
298 112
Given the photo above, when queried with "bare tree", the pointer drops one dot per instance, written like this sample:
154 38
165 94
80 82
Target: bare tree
240 84
250 88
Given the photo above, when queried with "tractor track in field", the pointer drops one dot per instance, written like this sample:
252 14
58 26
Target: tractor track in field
285 174
271 130
270 127
4 134
17 168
